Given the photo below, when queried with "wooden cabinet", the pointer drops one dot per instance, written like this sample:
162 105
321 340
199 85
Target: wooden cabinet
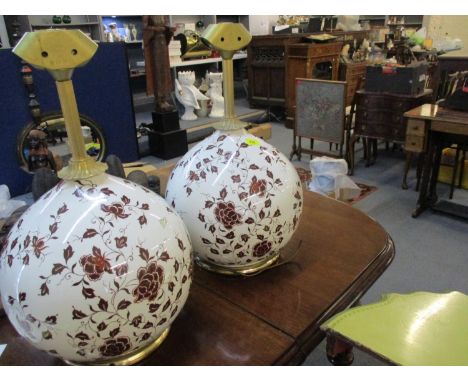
308 60
380 115
266 69
351 72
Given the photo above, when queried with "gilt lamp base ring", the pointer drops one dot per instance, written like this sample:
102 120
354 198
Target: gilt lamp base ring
237 271
129 359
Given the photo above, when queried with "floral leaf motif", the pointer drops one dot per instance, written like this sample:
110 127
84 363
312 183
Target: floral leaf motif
27 241
121 242
277 213
184 279
121 270
176 266
214 169
82 336
250 221
123 304
188 190
208 204
88 292
78 314
114 332
58 268
171 286
164 256
89 233
236 178
46 335
269 174
221 138
223 193
193 176
148 325
166 305
13 244
268 159
215 251
261 214
243 195
51 320
203 174
22 296
267 203
201 217
253 167
212 228
245 237
154 307
162 321
107 191
278 182
68 253
11 300
145 206
125 199
144 254
142 220
103 305
297 195
220 241
206 241
102 326
26 260
198 165
44 289
62 209
20 223
230 235
181 244
238 246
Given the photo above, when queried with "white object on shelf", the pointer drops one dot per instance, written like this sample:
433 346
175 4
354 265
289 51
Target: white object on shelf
215 92
7 205
188 95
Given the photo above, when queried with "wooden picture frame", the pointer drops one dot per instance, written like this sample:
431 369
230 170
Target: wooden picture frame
320 114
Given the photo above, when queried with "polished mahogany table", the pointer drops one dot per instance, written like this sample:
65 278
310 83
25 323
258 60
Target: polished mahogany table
273 318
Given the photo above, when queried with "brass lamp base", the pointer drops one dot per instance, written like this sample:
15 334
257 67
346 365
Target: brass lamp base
238 271
128 359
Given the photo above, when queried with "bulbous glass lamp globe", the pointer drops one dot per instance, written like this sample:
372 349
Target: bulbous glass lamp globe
96 271
240 199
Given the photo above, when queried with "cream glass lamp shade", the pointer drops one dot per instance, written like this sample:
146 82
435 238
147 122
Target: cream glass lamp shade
99 267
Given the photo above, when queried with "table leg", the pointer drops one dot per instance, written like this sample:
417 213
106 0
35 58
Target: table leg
351 145
312 148
339 352
299 149
409 156
432 198
294 148
419 170
428 164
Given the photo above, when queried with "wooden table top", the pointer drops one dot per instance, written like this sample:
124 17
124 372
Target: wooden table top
437 113
271 318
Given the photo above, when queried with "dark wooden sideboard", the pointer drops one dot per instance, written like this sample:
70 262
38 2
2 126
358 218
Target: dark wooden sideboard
266 65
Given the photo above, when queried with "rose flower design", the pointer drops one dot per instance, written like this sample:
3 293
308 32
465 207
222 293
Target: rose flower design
115 346
116 209
261 249
150 279
257 186
95 265
226 214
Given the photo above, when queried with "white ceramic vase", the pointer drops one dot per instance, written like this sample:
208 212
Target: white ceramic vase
240 199
96 270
